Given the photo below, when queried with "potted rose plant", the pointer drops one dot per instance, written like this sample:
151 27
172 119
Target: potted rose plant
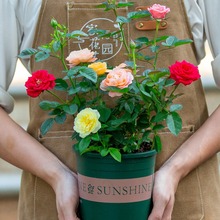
120 134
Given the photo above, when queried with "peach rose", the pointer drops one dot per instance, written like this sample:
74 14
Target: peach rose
158 11
80 56
118 77
99 67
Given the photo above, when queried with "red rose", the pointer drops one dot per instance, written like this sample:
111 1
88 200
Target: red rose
39 81
184 72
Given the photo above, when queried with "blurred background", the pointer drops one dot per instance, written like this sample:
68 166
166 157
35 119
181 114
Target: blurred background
10 175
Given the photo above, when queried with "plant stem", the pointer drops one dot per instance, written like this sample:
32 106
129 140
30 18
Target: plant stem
53 94
134 61
155 43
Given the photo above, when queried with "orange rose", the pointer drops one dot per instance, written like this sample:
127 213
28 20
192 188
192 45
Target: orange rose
80 56
99 67
118 77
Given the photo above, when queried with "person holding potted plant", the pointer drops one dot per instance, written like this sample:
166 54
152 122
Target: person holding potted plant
61 134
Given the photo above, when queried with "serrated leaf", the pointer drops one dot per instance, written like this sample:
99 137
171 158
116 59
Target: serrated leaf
159 117
70 109
89 74
174 123
104 114
121 19
60 119
138 14
40 56
61 85
46 126
48 105
27 52
56 46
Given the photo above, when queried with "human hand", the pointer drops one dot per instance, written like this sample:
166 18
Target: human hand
67 197
165 185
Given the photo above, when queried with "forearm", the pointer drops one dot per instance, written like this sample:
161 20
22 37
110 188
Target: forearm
197 149
20 149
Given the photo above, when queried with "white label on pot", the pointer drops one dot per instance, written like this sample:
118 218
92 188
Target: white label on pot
115 190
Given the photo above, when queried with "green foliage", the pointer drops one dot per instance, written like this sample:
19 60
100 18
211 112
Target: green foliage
143 110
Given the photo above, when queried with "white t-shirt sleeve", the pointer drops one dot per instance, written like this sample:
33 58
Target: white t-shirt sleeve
18 22
204 21
211 23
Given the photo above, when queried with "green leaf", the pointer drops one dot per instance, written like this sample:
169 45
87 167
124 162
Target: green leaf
84 144
142 40
159 117
95 137
89 74
156 75
157 143
169 82
142 89
158 127
115 153
48 105
125 4
129 106
104 152
121 19
104 113
60 119
174 123
175 107
27 52
124 118
70 109
46 126
154 49
73 71
173 41
138 14
56 45
41 55
73 91
116 89
76 34
61 85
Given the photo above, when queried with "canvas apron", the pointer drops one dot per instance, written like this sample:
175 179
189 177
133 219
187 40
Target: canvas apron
198 193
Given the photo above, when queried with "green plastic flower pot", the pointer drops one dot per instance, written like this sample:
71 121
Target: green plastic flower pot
110 190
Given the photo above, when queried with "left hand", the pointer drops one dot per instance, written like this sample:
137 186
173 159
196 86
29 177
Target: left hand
67 197
165 186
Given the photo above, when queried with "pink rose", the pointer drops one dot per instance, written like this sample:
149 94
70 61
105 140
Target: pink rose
158 11
80 56
40 81
184 72
118 77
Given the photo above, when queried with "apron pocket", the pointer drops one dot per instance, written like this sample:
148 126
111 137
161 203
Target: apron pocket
60 143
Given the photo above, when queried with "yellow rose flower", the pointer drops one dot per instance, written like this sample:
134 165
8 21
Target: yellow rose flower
99 67
87 122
